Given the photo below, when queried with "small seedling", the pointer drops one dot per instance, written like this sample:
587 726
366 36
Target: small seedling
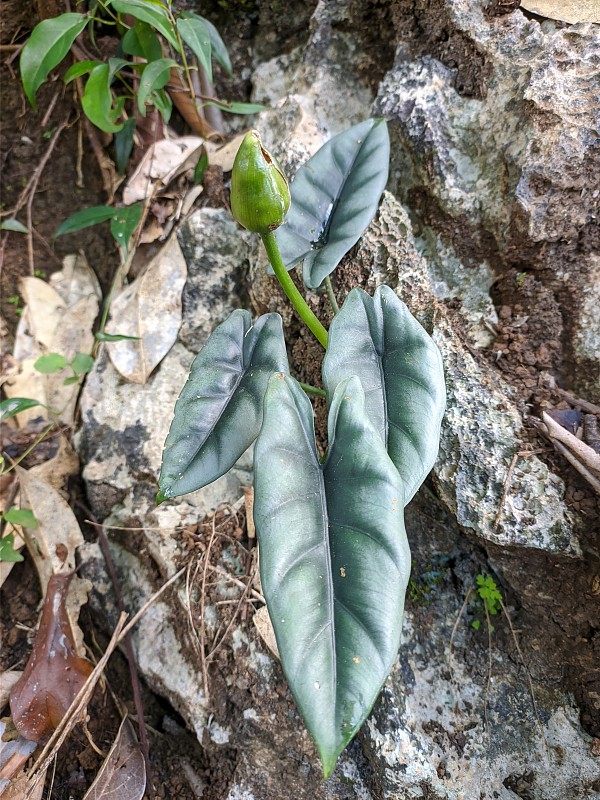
24 518
334 557
488 593
55 362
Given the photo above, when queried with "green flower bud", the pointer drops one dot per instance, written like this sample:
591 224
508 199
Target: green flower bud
260 194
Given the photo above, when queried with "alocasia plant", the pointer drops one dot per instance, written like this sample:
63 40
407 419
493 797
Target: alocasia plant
334 556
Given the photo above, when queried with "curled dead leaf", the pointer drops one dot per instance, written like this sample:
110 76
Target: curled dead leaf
161 164
149 308
571 11
53 543
54 673
122 776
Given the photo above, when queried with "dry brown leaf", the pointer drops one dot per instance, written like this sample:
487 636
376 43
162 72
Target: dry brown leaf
187 106
150 308
122 776
7 681
161 163
57 318
53 543
54 673
225 156
190 199
571 11
58 469
264 626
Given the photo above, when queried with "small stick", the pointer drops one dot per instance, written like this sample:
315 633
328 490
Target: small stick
513 463
489 678
50 108
202 606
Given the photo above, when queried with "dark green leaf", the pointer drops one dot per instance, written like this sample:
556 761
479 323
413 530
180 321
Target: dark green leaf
51 362
124 223
195 34
85 219
201 167
23 517
124 144
7 549
219 50
82 363
49 43
152 13
334 197
78 69
141 41
237 108
14 405
154 77
164 104
97 101
113 337
401 371
13 225
219 411
334 558
114 65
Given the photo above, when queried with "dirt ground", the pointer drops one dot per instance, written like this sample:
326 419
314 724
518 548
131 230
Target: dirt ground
527 307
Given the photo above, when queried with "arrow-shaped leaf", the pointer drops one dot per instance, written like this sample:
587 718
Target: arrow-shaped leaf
219 411
334 197
334 558
401 371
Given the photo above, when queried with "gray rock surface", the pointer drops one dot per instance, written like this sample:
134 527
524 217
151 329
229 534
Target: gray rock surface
484 150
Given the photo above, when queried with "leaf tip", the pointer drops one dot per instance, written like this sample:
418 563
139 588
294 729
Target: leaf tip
161 497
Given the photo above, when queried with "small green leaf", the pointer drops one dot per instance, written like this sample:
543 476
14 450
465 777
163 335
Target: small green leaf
401 371
101 336
124 144
219 411
476 624
195 34
14 405
78 69
201 168
85 219
7 549
153 13
141 41
70 380
97 101
334 197
82 363
334 557
219 50
50 362
49 43
23 517
237 108
154 77
164 104
124 224
13 225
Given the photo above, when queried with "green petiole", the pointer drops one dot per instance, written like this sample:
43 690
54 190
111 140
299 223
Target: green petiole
290 289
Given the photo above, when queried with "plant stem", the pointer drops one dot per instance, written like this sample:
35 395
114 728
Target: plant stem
313 390
290 289
331 296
